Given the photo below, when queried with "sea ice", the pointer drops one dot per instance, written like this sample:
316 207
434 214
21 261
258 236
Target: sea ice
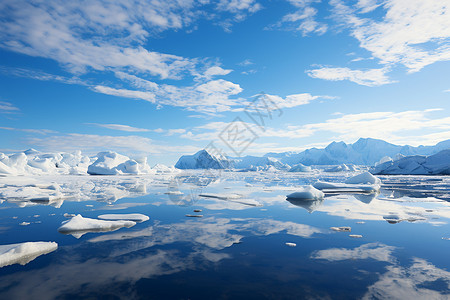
291 244
23 253
129 217
77 226
307 192
300 168
341 229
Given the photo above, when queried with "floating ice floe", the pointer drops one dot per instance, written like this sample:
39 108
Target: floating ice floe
112 163
362 183
77 226
23 253
356 236
307 192
291 244
194 216
437 164
341 229
128 217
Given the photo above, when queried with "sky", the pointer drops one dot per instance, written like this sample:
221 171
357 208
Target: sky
237 77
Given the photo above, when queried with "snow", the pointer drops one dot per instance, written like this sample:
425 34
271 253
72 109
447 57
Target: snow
112 163
23 253
307 192
129 217
437 164
300 168
77 226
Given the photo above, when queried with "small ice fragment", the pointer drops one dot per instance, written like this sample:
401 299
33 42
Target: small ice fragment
24 223
89 205
14 217
52 214
174 193
248 185
69 215
36 216
194 216
357 236
291 244
360 222
446 238
342 229
197 210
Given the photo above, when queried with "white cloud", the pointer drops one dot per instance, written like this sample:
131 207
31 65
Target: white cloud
413 33
246 62
7 108
303 19
38 131
371 77
239 6
216 70
210 97
120 127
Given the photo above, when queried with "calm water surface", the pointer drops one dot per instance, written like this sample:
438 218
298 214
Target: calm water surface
237 249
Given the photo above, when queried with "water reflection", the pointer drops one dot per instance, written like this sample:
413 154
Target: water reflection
309 205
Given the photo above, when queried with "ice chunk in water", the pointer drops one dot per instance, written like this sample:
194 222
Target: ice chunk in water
23 253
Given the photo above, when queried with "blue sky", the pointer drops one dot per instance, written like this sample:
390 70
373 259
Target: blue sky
165 78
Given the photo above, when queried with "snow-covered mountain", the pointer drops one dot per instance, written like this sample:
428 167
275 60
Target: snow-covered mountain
366 151
202 160
437 164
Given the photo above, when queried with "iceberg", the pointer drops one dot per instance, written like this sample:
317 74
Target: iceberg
202 160
77 226
23 253
128 217
363 178
362 183
300 168
437 164
33 162
307 192
112 163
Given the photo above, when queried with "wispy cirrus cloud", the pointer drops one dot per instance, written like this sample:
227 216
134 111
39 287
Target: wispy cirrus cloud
414 35
28 130
303 19
369 77
120 127
8 108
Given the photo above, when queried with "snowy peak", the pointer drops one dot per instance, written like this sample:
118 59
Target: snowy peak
202 160
365 151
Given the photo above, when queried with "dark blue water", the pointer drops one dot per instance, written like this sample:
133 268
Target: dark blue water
236 250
